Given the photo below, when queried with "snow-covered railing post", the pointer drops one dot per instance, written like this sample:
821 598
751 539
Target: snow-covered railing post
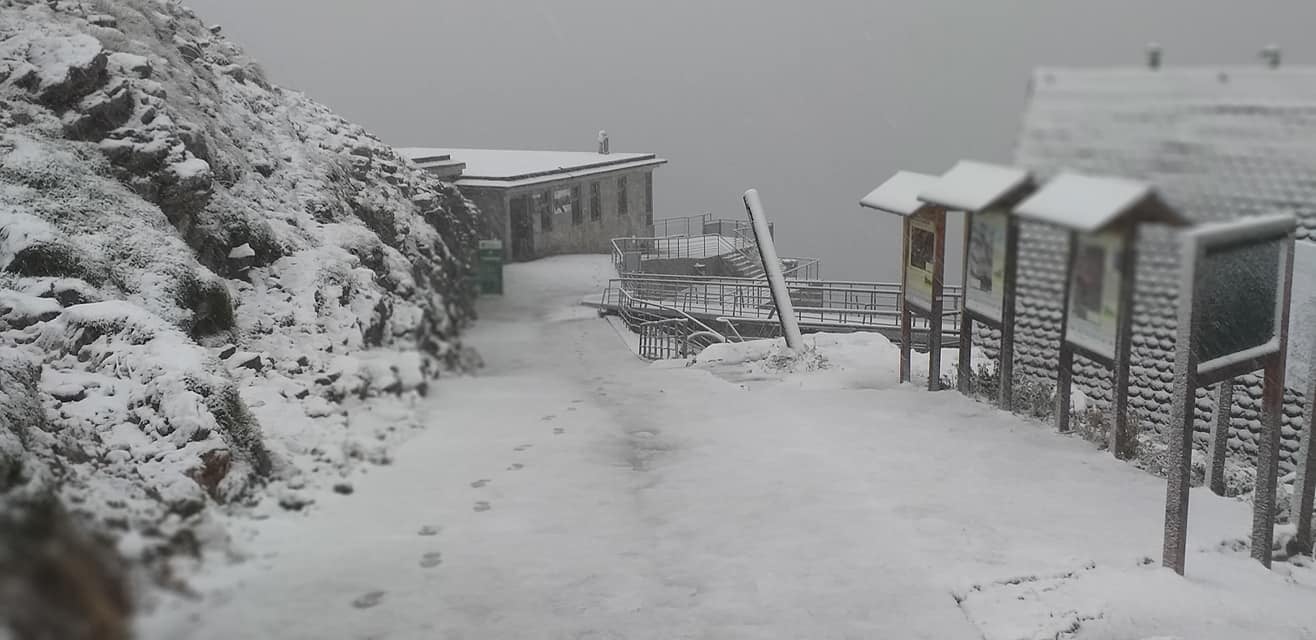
1103 215
985 193
1233 319
922 264
790 327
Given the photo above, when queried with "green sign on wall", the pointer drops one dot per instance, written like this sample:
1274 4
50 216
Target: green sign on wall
490 269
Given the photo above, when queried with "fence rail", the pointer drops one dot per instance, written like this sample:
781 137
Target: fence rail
847 305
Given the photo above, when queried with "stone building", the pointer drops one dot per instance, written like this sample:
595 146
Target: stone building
542 203
1219 143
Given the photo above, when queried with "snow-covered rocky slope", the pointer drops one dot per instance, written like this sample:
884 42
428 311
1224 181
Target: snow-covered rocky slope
202 276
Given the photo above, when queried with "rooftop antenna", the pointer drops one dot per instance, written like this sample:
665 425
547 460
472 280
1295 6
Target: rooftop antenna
1154 55
603 142
1271 54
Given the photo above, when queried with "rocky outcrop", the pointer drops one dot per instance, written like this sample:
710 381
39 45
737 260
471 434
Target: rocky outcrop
197 269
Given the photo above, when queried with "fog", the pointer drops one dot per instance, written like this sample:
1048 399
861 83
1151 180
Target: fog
812 103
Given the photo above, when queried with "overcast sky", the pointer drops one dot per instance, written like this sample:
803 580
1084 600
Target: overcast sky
813 103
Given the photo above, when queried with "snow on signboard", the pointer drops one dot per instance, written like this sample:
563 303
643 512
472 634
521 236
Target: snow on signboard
922 250
1094 293
985 285
1302 318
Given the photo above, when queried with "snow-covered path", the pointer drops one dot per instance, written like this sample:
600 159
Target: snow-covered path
573 491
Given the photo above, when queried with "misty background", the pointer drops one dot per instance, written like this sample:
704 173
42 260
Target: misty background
812 103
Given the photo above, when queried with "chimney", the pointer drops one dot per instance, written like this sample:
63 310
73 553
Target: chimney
1154 56
603 143
1271 55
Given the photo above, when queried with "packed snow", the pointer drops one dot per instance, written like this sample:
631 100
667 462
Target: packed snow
573 490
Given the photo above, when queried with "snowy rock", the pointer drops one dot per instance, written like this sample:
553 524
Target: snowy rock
69 393
129 64
242 251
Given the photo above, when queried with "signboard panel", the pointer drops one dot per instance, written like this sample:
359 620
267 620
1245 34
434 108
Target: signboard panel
922 250
1237 296
985 284
1302 317
1095 293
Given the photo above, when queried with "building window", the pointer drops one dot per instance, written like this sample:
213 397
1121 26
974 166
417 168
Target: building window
595 202
541 203
623 202
577 213
648 198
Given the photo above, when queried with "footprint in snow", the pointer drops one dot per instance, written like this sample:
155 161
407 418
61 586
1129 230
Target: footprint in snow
429 530
559 431
431 560
516 467
365 601
479 483
482 506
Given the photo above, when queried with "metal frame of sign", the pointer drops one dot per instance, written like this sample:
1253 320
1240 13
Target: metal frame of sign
1120 433
911 305
1003 323
1190 373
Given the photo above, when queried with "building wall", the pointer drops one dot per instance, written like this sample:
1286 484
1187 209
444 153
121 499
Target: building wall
588 236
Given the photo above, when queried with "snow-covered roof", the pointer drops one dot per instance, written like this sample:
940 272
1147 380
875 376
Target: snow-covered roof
511 168
974 186
899 194
1218 142
1087 203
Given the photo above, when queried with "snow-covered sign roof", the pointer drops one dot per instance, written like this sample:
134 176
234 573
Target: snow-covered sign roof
512 168
974 186
1218 143
899 194
1087 203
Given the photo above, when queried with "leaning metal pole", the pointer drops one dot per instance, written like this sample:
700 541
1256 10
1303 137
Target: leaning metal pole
790 327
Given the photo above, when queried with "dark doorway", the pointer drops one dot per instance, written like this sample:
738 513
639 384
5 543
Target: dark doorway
523 230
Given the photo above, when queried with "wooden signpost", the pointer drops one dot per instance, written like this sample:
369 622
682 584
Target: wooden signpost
1233 319
986 193
922 265
1102 215
1301 374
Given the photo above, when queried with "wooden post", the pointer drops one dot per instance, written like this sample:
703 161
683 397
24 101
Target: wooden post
1215 470
938 300
1121 435
1305 485
1263 496
1179 467
965 382
906 322
1065 371
966 321
1272 411
1005 372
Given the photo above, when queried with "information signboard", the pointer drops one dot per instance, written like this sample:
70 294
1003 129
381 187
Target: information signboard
1094 298
922 256
1236 299
984 284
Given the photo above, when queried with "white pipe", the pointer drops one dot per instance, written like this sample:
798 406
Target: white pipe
790 327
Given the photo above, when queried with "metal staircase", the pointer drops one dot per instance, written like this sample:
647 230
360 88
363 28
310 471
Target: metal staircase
677 314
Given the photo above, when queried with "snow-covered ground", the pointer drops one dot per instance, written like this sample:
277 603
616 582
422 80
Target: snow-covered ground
572 490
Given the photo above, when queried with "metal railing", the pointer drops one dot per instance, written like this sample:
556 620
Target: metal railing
837 304
665 332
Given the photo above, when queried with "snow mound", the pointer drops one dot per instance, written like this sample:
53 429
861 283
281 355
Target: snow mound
200 272
829 361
